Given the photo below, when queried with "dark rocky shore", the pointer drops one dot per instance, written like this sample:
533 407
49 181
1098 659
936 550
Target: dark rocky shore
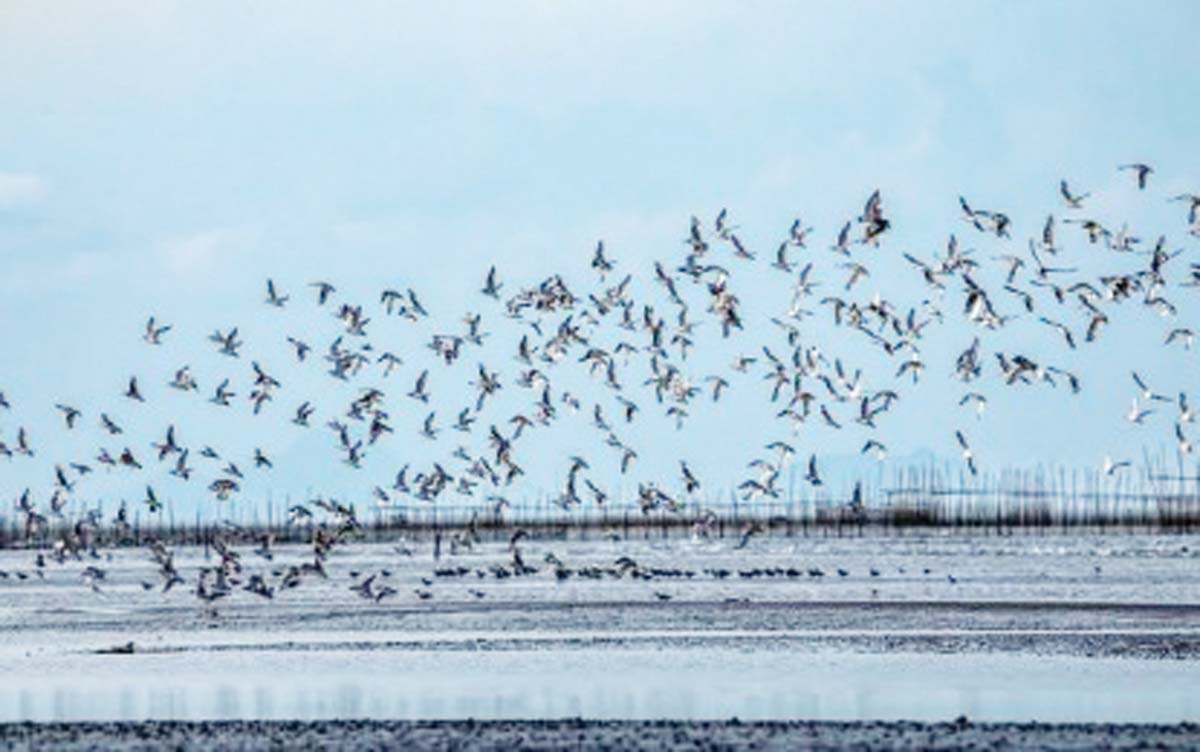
580 734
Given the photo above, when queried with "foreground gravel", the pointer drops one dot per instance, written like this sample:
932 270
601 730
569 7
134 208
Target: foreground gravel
579 734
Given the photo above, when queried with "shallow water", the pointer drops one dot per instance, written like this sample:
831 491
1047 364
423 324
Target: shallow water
1060 629
645 682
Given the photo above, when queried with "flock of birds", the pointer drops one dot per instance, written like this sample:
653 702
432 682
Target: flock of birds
635 347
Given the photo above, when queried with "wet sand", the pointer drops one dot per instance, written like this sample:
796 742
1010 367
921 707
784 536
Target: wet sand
579 734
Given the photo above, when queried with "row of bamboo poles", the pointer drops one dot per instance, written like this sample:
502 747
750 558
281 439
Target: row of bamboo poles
1163 497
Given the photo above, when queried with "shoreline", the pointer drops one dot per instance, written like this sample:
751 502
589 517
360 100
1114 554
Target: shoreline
578 733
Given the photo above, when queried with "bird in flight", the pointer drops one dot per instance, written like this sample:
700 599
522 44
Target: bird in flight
273 297
1141 171
154 332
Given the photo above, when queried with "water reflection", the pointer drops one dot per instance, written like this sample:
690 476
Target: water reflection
606 683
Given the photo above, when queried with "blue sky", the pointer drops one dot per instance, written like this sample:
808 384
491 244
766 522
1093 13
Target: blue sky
166 158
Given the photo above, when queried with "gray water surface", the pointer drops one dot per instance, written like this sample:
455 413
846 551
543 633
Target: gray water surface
1056 629
644 682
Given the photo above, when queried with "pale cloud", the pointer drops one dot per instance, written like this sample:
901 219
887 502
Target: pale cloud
21 190
86 266
37 278
202 253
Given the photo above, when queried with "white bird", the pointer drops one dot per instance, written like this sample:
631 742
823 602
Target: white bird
976 399
967 454
1146 393
1111 467
155 332
1185 446
1136 414
1186 413
879 449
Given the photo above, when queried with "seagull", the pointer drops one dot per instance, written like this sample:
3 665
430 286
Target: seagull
968 456
1073 201
1185 446
222 395
491 287
302 349
92 576
181 469
229 342
1099 320
857 272
1136 414
1186 335
324 290
599 262
1193 201
627 458
70 415
273 297
976 399
1146 394
155 332
1015 263
303 413
390 363
718 384
427 428
464 421
749 530
60 479
689 480
184 381
261 378
842 245
1048 235
298 514
739 249
132 392
781 261
128 460
1026 298
1072 379
874 220
168 446
721 225
878 448
1094 229
223 487
1142 170
418 392
1186 413
1043 272
811 475
414 305
798 233
1111 467
786 452
152 501
1062 329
